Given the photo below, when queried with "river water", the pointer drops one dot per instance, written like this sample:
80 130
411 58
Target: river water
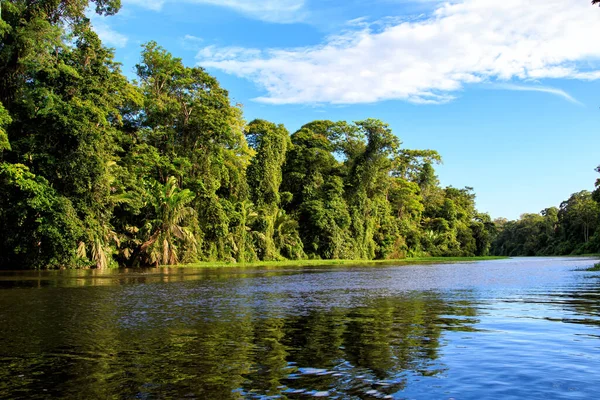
505 329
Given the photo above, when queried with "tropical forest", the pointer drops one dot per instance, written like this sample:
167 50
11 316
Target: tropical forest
101 171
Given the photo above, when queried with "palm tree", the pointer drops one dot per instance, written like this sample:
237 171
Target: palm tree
169 230
99 244
101 237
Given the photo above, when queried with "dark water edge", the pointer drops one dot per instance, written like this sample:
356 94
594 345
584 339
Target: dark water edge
516 328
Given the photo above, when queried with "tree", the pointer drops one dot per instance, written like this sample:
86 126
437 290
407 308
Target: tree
416 165
4 121
313 176
31 31
596 192
367 187
242 218
270 142
188 128
40 228
64 92
483 231
286 238
171 240
583 211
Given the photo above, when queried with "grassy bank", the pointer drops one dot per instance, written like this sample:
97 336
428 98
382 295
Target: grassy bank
304 263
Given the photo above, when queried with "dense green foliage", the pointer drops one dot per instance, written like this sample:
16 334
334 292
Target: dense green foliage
572 228
96 170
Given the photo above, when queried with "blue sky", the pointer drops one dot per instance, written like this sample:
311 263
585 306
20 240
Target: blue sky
508 92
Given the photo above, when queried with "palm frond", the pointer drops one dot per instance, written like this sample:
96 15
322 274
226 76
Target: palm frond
81 250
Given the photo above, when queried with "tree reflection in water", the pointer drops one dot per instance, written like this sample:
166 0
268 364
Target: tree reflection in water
230 351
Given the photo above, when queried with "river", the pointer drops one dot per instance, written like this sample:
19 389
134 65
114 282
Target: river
504 329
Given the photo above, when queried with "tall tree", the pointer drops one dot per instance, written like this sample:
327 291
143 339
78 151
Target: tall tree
313 176
367 188
30 32
270 142
188 129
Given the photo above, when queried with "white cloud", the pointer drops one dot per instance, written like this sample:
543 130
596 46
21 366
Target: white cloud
543 89
428 60
193 38
191 42
280 11
107 34
226 53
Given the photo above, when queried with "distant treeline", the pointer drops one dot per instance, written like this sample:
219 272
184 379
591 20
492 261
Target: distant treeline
571 228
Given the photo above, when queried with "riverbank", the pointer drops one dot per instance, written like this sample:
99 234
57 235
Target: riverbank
306 263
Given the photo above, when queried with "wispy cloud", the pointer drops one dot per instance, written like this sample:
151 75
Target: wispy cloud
429 60
543 89
107 34
226 53
191 42
278 11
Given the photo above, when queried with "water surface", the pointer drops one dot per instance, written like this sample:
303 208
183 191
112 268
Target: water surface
509 329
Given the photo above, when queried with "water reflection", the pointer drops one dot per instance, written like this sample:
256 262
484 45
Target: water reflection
98 344
93 277
334 333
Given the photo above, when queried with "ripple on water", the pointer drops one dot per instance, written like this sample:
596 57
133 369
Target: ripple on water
510 329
